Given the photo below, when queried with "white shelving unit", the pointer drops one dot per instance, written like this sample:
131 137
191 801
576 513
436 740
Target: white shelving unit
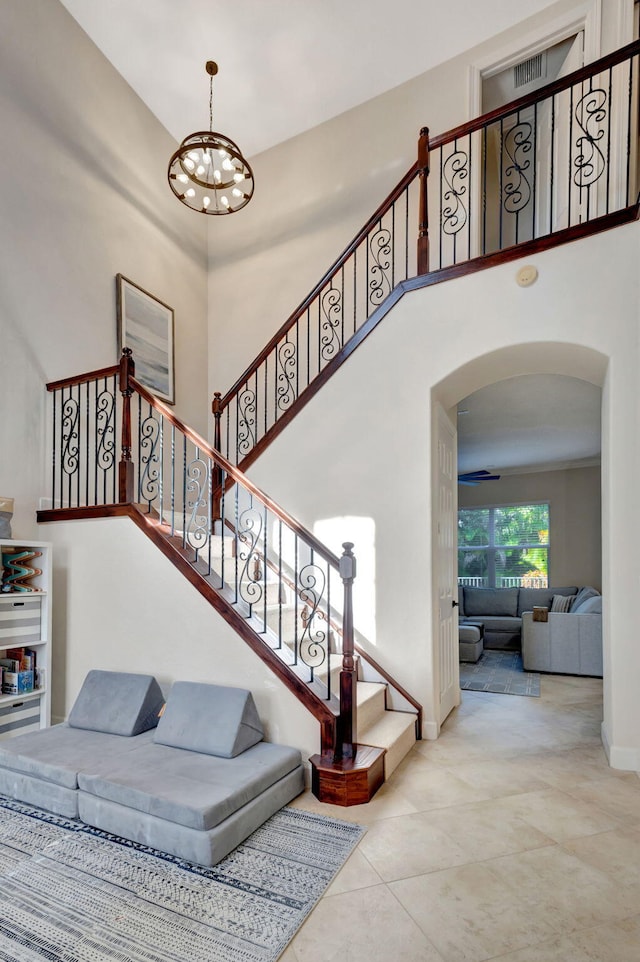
25 622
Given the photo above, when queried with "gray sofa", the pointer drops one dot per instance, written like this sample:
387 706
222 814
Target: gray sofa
500 610
194 782
568 642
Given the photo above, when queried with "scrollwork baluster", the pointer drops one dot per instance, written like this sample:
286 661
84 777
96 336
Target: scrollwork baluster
249 535
313 639
590 113
455 172
380 243
517 189
197 486
287 362
331 304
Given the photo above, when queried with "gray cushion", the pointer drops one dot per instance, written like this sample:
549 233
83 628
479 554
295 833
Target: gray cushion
583 594
209 718
530 598
57 754
490 601
189 788
591 605
207 848
117 702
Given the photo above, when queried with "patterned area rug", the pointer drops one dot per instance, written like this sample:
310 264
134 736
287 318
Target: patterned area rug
501 672
69 893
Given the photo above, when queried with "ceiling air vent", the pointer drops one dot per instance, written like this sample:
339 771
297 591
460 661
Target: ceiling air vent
535 68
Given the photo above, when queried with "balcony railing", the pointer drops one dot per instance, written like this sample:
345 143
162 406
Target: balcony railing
539 170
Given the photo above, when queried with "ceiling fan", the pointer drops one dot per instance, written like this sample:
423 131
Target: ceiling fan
473 478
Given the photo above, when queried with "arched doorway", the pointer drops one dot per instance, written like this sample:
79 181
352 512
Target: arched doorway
507 364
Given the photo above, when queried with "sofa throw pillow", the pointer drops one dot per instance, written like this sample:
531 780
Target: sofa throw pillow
590 606
586 592
211 719
561 603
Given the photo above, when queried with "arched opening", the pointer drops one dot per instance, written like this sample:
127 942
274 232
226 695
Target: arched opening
498 375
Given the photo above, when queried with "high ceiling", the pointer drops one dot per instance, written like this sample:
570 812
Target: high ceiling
529 423
285 65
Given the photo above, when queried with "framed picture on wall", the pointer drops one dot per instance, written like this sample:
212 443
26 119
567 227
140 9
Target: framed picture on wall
146 325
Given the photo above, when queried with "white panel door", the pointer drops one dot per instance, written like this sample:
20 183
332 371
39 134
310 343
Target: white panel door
446 481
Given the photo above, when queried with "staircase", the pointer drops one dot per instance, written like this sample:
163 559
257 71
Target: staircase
283 591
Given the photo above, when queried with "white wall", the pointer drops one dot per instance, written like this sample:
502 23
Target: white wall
83 196
362 445
573 494
119 604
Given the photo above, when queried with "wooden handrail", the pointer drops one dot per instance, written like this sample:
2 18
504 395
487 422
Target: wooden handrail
543 93
84 378
341 260
237 475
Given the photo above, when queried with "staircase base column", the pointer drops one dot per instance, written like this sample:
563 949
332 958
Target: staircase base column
349 781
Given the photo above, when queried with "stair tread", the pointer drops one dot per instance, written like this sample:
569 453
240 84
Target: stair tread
367 690
387 729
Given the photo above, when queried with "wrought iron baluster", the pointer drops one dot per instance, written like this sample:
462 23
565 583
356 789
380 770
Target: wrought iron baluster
552 162
296 646
280 584
485 132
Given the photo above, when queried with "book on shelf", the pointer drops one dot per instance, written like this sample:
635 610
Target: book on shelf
10 664
39 678
25 656
17 682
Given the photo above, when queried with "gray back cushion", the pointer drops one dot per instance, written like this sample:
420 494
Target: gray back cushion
211 719
589 606
530 598
117 702
490 601
583 595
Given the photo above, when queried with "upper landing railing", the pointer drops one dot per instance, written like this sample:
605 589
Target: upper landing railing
543 169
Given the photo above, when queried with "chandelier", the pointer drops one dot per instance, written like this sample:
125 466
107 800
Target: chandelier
208 172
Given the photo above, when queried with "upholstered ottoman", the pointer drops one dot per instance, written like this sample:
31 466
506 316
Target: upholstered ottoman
470 642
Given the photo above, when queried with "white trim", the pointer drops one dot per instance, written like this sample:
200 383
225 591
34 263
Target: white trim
430 731
585 16
623 759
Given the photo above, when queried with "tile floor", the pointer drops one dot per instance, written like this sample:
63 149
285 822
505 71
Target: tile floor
509 838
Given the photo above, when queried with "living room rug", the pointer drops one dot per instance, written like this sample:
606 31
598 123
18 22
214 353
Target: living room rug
70 893
501 672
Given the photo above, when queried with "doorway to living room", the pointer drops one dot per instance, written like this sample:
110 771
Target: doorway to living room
538 434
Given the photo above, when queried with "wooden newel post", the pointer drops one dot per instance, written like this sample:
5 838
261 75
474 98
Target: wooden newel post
125 467
216 409
347 723
423 222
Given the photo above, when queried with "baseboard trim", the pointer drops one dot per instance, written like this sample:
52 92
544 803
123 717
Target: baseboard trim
430 731
620 758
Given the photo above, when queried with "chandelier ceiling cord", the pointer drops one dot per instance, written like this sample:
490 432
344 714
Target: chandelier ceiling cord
208 172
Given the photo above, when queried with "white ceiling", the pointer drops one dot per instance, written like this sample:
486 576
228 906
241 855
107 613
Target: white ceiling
285 65
530 423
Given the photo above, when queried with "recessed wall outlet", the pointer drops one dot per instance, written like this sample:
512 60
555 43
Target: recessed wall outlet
527 275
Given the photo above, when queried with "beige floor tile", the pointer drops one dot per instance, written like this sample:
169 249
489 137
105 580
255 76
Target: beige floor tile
471 914
369 925
358 873
571 894
496 778
605 943
487 830
558 814
410 845
616 853
619 798
428 787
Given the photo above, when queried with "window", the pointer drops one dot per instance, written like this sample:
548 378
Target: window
506 546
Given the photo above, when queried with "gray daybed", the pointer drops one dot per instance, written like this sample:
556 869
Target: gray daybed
194 782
